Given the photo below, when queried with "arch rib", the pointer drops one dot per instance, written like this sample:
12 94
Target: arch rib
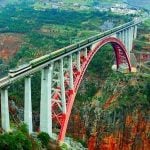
121 58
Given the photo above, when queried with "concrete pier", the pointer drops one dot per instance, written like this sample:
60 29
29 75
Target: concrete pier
5 109
46 100
28 104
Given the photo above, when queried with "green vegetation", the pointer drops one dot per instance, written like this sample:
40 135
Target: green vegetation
46 31
99 69
44 138
68 3
15 140
144 30
141 99
147 25
18 139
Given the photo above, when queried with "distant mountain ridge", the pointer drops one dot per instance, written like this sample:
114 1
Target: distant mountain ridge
140 3
137 3
5 2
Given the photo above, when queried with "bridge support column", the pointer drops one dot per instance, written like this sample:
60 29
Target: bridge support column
135 32
63 95
71 72
78 61
114 35
123 37
85 52
129 41
5 109
28 104
46 101
119 35
126 39
132 36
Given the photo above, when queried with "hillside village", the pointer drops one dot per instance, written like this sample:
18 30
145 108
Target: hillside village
118 8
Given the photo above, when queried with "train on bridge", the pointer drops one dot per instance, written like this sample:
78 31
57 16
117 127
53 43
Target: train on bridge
41 60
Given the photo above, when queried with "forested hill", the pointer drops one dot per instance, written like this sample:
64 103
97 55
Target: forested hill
89 2
137 3
29 33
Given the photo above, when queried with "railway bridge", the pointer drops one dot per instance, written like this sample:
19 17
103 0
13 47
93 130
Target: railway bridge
61 75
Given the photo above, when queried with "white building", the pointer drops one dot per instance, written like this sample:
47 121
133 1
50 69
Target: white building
120 10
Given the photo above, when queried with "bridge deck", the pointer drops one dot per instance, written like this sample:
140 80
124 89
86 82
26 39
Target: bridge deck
39 63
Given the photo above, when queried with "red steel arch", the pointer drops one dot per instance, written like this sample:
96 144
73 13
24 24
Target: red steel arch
121 58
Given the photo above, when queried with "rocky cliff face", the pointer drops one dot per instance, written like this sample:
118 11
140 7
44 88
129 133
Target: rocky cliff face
123 125
108 134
